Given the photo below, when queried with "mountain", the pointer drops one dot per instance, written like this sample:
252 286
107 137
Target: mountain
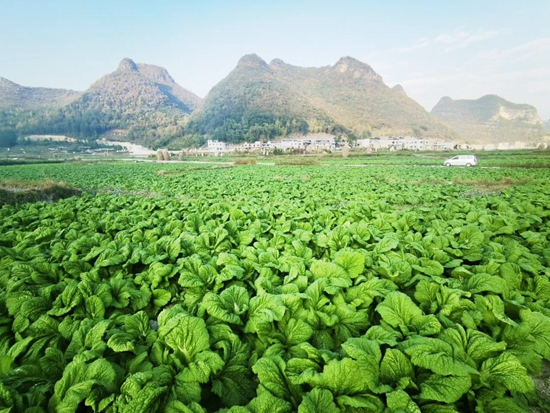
13 95
260 100
491 119
399 88
141 102
251 103
134 88
547 124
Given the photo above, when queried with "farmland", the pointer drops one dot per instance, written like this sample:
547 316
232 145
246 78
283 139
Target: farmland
251 288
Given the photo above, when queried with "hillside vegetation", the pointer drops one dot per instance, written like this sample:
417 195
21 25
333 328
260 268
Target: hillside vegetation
13 95
257 100
141 100
491 119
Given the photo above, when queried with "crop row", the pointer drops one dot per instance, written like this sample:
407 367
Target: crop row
247 291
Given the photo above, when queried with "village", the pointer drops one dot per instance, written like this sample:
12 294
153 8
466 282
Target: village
321 142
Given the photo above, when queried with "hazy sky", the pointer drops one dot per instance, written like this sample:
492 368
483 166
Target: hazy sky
462 49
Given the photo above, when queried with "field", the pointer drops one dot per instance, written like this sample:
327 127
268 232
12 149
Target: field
336 286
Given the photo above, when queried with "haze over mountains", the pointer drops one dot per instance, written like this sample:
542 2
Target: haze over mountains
348 98
491 119
13 95
257 100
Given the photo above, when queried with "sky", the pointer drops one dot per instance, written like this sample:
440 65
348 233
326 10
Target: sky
462 49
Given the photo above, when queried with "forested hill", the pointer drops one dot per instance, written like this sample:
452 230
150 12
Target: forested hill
142 102
257 101
13 95
136 88
491 119
252 103
349 98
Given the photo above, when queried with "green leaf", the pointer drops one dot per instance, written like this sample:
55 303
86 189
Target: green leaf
486 283
229 306
539 326
492 308
429 267
341 377
272 377
389 242
137 324
398 309
399 401
446 389
109 257
189 337
440 408
264 308
502 404
383 335
161 297
297 331
352 262
176 406
95 307
336 274
471 236
265 403
511 273
77 382
120 342
395 366
435 355
477 345
506 371
173 248
365 402
368 355
318 401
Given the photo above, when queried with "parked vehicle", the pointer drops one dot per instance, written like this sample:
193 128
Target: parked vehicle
461 160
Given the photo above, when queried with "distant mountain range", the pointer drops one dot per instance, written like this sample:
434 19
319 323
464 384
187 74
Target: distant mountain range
137 102
13 95
491 119
142 103
260 100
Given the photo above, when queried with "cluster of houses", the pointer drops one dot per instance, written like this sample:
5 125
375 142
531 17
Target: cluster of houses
320 142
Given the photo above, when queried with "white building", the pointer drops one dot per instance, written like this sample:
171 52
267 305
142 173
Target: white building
311 142
216 146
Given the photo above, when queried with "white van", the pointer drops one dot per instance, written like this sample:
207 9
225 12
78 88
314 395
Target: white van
461 160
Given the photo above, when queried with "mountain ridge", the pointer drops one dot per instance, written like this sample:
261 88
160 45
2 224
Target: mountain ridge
30 98
491 119
347 98
142 101
258 100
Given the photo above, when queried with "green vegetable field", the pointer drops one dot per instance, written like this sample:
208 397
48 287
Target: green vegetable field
272 289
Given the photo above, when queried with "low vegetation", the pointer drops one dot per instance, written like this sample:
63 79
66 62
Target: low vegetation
19 192
251 289
245 161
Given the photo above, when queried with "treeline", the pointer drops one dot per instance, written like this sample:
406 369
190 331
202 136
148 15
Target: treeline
158 128
249 128
154 128
68 121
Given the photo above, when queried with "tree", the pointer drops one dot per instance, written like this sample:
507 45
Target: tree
8 138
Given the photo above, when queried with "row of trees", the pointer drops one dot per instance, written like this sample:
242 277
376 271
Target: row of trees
157 128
